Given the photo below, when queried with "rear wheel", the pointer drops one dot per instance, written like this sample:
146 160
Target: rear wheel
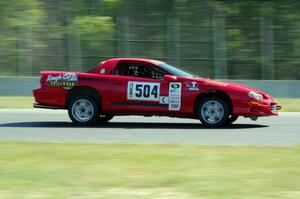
83 111
213 112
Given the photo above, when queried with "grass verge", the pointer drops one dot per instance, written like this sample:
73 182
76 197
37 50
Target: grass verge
288 105
16 102
39 170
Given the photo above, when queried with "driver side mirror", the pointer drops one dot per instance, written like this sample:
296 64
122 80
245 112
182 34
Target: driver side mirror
170 78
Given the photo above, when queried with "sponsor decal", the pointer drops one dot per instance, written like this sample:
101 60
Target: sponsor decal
192 86
175 96
175 86
147 91
164 100
66 80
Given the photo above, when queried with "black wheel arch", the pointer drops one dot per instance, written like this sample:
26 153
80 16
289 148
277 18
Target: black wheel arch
213 93
84 91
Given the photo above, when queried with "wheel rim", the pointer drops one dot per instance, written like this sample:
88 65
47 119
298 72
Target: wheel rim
82 110
212 112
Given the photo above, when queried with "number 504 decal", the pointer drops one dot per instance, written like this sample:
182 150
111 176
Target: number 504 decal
143 91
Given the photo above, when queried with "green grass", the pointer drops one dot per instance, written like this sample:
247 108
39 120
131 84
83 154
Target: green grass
288 105
41 170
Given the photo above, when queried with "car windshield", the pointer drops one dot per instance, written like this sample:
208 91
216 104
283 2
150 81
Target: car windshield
175 71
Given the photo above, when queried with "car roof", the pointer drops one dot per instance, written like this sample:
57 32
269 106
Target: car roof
156 62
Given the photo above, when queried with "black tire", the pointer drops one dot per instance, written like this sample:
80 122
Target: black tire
232 119
213 117
75 110
103 118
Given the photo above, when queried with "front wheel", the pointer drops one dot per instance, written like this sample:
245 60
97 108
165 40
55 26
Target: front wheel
83 111
213 112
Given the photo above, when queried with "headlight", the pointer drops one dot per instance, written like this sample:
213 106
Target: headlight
255 95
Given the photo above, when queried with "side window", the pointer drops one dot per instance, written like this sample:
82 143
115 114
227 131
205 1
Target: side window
158 74
137 70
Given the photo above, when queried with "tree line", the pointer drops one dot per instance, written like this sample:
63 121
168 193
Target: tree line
217 39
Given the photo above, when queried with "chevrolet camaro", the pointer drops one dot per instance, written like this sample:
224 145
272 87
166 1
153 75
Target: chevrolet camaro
133 86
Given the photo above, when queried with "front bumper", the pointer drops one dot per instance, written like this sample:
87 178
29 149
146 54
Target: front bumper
263 108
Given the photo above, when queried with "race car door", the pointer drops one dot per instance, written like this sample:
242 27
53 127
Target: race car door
138 88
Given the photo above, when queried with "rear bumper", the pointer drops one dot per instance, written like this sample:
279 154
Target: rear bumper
53 98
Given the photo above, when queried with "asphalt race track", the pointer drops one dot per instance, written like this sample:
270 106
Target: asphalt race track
55 126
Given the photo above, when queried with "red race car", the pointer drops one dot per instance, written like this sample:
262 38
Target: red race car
132 86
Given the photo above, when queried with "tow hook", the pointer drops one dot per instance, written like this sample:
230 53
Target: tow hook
278 107
253 118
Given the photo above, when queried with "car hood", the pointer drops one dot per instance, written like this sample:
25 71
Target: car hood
220 83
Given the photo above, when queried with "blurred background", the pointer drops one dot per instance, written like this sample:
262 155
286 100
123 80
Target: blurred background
215 39
256 43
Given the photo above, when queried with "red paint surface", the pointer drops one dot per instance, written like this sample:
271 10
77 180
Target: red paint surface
113 89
